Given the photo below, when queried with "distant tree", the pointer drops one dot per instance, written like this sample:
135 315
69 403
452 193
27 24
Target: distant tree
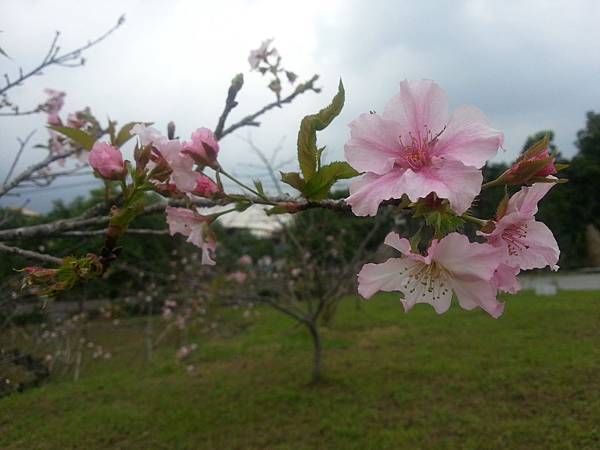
567 211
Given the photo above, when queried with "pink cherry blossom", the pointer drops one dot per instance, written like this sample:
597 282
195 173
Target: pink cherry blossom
53 105
416 148
147 135
183 176
245 260
193 225
452 265
107 161
258 55
524 242
238 276
203 147
205 187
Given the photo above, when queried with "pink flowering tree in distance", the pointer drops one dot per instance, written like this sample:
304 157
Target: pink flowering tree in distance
415 158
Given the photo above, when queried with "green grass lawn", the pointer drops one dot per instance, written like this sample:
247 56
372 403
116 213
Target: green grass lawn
462 380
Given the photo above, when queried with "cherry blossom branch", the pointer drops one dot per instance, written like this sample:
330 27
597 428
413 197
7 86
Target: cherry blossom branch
251 119
87 219
230 103
103 231
17 113
22 144
53 57
27 173
29 254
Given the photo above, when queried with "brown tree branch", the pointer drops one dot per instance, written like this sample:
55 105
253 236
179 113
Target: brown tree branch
30 254
251 119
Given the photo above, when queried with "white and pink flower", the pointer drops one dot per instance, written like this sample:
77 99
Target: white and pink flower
524 242
415 148
195 226
261 53
452 265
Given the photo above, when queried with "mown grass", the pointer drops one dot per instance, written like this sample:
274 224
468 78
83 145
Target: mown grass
463 380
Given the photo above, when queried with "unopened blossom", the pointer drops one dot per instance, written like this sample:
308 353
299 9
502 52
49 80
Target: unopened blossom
203 148
415 148
535 163
524 242
245 260
452 265
195 226
107 161
53 106
238 276
205 187
261 53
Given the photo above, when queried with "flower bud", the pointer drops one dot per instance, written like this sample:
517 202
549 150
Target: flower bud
535 163
205 187
203 148
107 161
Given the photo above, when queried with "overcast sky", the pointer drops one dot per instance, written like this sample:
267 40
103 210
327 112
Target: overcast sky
529 65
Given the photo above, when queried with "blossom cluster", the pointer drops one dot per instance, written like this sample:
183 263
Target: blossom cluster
417 150
416 154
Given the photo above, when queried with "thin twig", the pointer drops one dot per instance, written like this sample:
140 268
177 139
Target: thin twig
102 232
251 119
29 254
27 173
53 58
22 144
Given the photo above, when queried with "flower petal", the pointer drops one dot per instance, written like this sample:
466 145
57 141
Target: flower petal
420 108
422 288
374 144
525 201
469 138
466 260
542 249
449 179
386 276
395 241
367 192
505 279
471 294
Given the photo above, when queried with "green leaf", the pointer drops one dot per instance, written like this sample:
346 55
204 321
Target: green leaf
416 240
78 136
293 179
308 154
259 187
318 186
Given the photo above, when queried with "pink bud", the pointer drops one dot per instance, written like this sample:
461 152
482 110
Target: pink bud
203 147
245 260
107 161
205 187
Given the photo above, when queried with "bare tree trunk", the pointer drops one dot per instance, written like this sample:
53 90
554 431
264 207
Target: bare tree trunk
317 353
